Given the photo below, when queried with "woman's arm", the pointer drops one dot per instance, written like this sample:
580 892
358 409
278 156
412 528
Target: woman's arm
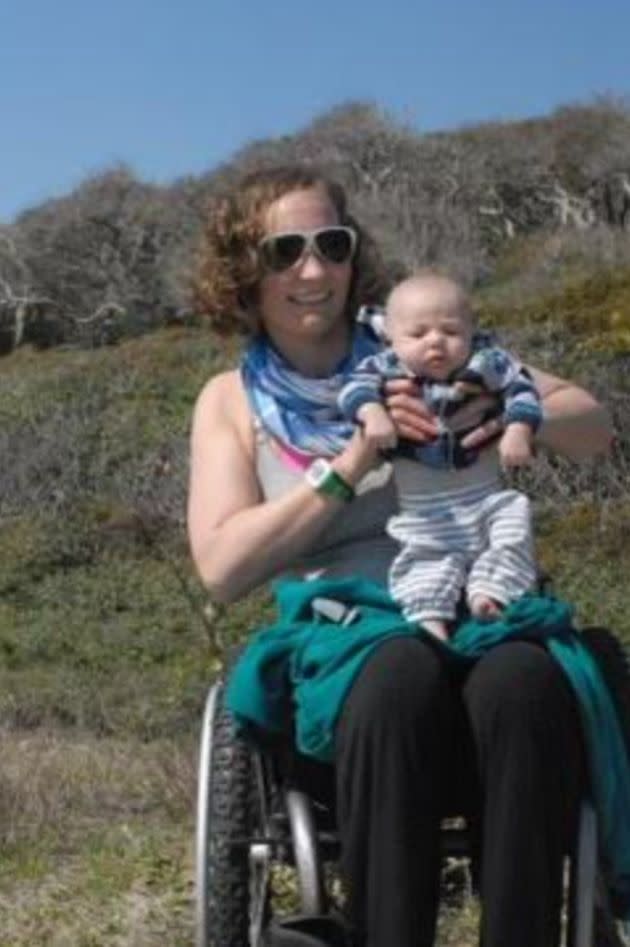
575 423
237 539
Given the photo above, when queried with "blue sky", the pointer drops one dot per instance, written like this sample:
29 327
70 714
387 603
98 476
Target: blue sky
174 87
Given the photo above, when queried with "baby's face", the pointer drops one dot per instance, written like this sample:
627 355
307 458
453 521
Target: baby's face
430 328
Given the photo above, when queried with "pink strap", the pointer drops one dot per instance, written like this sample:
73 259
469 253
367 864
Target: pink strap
293 458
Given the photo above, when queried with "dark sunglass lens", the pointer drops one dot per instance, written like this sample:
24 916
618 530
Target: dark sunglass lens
283 251
335 244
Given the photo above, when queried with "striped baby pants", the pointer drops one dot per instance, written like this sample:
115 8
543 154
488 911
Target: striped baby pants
477 539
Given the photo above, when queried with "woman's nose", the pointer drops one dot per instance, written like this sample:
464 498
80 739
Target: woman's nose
310 266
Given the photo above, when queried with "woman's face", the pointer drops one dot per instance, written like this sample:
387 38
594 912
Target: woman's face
307 300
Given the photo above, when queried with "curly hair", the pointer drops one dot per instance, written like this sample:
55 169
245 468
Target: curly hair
229 268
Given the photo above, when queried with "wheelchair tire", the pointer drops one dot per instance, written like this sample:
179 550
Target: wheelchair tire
227 889
613 659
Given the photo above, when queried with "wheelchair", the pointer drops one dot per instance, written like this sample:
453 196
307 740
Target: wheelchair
251 826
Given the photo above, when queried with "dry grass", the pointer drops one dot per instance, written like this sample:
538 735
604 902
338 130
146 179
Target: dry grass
96 841
134 891
53 780
458 926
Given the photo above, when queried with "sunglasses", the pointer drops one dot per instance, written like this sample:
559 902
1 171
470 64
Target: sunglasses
281 251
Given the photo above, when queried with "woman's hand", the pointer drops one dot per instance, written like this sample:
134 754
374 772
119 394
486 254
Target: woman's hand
414 421
408 411
483 433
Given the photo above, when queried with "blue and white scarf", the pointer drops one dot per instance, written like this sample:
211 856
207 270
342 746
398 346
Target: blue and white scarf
302 412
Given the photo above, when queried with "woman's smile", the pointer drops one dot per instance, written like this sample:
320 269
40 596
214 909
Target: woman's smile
311 299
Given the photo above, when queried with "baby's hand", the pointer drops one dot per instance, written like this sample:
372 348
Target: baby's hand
516 447
378 427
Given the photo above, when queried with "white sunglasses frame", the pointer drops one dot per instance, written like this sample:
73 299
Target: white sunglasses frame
310 245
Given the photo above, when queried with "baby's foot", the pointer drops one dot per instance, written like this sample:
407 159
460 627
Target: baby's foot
484 607
437 628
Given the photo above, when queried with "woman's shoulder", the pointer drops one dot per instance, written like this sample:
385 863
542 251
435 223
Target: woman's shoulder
222 402
221 386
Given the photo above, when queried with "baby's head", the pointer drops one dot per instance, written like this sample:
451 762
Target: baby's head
430 324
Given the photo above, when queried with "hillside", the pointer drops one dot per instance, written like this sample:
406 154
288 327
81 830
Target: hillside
105 645
106 641
105 649
113 258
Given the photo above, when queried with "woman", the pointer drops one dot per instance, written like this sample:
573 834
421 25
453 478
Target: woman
278 256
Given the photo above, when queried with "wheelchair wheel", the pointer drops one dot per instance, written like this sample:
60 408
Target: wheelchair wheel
613 658
232 870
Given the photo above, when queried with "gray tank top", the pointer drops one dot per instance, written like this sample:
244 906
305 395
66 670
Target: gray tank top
355 542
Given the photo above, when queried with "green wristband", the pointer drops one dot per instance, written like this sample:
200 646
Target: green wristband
323 479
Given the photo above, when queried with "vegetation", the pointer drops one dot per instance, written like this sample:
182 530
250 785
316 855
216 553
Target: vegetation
112 259
107 643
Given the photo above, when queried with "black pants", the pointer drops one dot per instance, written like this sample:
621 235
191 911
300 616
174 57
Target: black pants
418 739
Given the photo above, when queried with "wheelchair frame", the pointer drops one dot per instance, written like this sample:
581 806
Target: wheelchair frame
243 825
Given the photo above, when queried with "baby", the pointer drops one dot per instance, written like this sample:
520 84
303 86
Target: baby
457 527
